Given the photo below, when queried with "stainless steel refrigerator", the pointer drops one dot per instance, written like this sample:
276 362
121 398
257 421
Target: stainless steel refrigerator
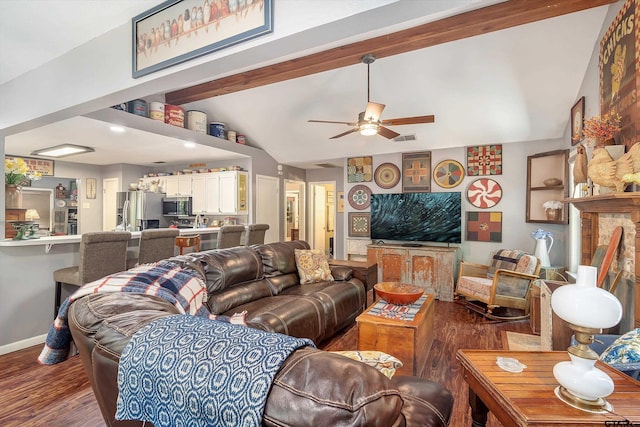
139 210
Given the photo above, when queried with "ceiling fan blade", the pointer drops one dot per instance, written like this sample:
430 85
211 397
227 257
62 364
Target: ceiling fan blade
344 133
373 111
329 121
409 120
387 133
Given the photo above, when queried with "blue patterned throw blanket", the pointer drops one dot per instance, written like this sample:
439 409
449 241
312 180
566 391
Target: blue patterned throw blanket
180 286
192 371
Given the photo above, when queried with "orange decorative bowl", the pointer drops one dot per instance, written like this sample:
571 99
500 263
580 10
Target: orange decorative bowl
398 293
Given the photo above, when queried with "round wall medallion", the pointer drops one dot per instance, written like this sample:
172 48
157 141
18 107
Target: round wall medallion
387 175
448 173
484 193
360 197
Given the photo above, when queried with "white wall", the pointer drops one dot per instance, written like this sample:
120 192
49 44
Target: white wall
516 232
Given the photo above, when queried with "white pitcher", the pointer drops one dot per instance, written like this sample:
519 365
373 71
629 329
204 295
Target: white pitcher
542 251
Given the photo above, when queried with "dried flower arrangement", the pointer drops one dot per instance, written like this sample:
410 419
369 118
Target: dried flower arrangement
602 127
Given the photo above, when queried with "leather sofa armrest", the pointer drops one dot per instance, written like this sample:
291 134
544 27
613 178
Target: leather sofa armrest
426 403
341 273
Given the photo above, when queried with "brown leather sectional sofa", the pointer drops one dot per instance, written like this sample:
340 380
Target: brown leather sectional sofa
313 387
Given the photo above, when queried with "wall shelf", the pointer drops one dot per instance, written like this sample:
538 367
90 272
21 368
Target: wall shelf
540 167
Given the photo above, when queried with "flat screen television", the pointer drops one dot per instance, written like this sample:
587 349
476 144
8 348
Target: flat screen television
417 217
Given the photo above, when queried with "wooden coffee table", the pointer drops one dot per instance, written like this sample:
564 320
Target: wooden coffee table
408 341
528 399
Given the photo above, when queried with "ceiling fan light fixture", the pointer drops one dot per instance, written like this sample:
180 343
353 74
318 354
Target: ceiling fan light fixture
62 150
368 129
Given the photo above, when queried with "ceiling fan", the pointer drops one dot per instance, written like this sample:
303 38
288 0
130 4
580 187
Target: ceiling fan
369 122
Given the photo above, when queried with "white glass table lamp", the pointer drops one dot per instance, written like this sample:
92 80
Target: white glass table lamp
588 310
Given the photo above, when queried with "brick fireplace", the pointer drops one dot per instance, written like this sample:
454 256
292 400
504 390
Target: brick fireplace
599 216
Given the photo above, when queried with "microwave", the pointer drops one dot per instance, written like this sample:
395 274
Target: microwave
176 206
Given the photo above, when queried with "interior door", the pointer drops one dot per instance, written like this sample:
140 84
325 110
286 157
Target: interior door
268 206
110 187
319 217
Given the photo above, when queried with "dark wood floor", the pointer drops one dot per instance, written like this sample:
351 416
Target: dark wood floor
60 395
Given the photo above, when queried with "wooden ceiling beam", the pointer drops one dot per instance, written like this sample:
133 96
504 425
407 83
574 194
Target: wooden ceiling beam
476 22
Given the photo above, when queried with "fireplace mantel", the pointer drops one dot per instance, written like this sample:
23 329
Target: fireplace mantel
609 203
590 209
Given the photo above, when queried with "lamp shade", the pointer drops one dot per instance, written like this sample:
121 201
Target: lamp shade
31 214
584 304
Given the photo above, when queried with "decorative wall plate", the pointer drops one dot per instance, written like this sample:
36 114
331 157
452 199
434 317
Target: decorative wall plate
387 175
360 197
448 173
484 193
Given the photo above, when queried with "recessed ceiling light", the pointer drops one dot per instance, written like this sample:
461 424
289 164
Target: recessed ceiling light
117 129
62 150
190 144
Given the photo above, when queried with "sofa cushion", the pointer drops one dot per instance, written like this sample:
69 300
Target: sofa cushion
228 299
227 267
278 258
299 316
312 266
342 302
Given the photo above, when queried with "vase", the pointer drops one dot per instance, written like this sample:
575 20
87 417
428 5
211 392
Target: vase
12 196
553 214
601 142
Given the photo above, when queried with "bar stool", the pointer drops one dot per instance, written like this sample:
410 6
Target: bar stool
101 253
229 236
254 235
155 245
192 241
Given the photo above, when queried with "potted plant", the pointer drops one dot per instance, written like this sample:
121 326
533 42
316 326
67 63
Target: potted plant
16 171
553 208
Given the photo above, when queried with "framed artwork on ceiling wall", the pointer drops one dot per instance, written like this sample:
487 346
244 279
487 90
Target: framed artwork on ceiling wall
176 31
619 53
416 172
577 121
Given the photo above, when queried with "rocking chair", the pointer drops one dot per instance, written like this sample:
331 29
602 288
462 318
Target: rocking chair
505 283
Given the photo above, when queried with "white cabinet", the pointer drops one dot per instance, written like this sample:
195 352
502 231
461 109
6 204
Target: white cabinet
178 186
220 193
205 193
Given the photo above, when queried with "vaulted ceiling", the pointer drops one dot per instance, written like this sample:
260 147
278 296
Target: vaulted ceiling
484 80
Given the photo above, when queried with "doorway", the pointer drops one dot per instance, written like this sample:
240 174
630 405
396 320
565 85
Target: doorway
294 218
111 187
322 216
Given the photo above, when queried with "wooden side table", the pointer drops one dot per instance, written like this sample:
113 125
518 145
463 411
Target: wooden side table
409 341
365 271
528 399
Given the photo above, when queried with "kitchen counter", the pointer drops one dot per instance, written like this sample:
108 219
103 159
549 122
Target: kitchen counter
48 242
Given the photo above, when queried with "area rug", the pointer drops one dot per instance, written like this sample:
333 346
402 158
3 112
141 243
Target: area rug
516 341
